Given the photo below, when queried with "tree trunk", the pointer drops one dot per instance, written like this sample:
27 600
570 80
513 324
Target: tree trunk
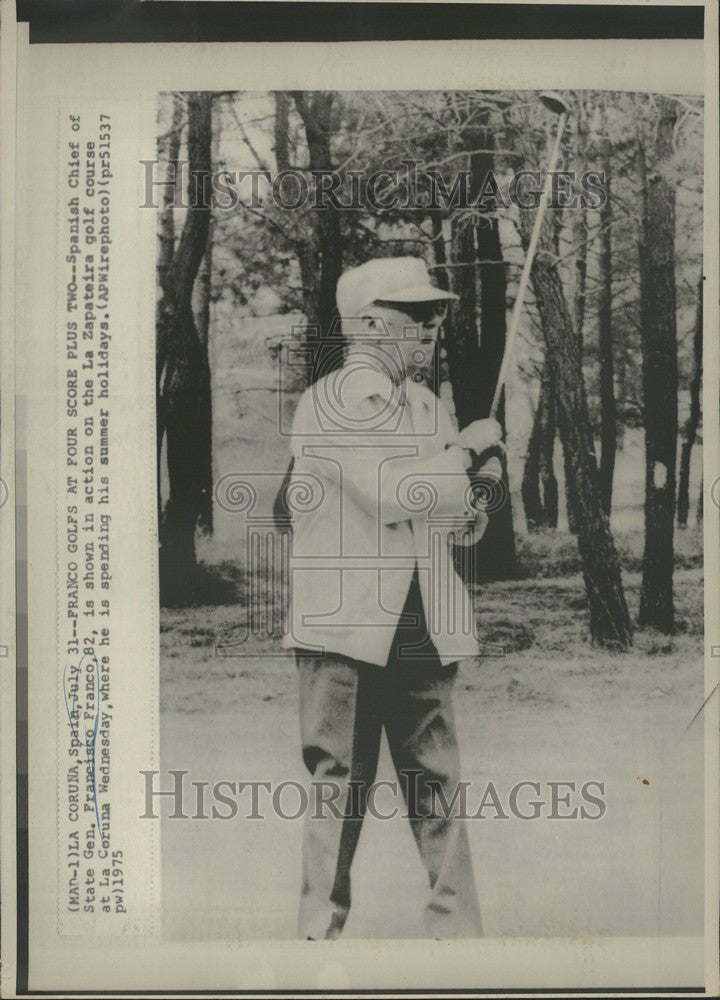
304 245
442 277
315 109
700 503
166 236
462 348
496 556
608 407
570 500
166 251
539 485
580 230
474 363
683 502
184 380
282 130
547 466
486 559
609 619
622 352
531 493
580 242
203 291
660 378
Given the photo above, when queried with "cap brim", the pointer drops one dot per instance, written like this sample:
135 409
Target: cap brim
418 293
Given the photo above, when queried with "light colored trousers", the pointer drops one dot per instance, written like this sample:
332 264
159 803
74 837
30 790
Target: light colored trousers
344 705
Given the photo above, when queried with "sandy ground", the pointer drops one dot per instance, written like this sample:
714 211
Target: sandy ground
553 708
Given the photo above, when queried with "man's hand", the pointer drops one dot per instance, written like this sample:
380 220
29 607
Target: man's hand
491 468
477 522
472 531
481 435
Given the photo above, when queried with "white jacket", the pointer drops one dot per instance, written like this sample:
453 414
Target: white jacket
376 491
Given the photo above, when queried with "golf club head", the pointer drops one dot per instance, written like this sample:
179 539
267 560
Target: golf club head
554 102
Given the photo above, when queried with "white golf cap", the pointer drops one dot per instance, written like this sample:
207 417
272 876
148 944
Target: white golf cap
391 279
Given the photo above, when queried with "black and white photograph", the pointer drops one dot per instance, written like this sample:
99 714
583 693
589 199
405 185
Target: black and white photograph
430 435
359 499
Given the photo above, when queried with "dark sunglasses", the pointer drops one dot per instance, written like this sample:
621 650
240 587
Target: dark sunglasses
419 312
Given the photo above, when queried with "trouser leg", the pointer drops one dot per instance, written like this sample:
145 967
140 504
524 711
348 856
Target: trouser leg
420 726
340 727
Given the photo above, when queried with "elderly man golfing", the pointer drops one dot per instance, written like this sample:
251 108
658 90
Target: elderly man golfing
378 616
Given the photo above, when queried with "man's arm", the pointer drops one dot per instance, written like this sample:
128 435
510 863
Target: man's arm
383 474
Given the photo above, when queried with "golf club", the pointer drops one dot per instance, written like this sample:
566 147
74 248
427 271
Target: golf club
559 106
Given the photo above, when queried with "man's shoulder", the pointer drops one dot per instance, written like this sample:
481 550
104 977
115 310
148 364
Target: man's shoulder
343 392
354 383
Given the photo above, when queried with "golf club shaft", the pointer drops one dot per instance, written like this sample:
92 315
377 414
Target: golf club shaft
525 276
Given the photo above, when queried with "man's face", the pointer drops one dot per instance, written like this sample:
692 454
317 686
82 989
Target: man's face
405 336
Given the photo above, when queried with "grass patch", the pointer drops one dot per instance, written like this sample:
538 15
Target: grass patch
550 553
